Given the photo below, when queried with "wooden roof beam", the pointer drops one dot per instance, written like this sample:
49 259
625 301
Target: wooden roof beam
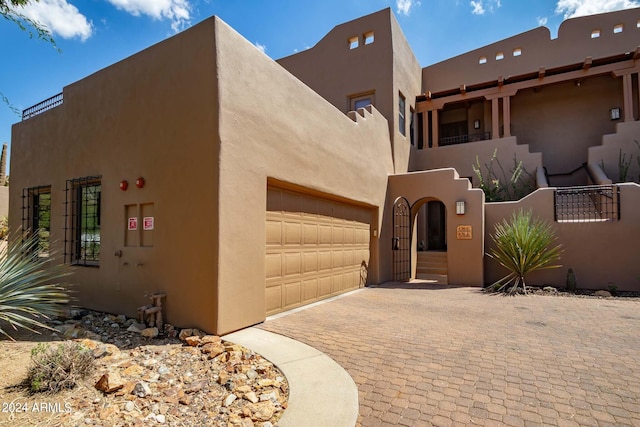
587 63
541 72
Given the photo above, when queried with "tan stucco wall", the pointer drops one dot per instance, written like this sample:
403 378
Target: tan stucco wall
387 67
153 115
600 254
552 121
308 142
4 201
462 157
572 46
464 256
622 141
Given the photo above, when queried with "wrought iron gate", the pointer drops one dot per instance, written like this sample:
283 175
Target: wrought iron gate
401 241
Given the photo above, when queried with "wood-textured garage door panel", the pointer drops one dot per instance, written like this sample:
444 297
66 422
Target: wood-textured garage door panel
314 248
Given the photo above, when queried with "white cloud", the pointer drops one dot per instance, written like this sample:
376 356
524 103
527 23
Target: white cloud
404 6
574 8
261 47
59 17
477 8
178 11
480 7
542 21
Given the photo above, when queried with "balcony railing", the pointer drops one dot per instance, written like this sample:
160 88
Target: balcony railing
43 106
461 139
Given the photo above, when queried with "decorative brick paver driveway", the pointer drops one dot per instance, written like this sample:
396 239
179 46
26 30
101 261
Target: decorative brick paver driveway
454 356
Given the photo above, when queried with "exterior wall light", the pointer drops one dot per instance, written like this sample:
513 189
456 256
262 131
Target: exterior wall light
140 182
460 207
476 124
124 185
615 113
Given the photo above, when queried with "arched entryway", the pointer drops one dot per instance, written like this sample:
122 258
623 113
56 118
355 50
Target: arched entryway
430 234
419 238
431 225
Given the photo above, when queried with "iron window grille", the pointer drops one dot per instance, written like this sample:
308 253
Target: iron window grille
36 216
82 221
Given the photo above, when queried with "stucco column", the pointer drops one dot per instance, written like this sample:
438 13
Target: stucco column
495 119
434 127
425 130
627 93
506 115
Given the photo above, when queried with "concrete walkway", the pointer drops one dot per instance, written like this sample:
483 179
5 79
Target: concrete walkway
436 355
321 392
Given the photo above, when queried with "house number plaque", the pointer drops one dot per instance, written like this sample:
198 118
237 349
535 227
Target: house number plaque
464 232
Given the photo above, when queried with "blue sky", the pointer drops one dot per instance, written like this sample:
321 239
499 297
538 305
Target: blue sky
92 34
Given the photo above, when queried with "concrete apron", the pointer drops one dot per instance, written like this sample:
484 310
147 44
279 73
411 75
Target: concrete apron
321 392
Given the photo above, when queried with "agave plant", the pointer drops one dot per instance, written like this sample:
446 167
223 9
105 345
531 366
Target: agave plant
30 287
523 245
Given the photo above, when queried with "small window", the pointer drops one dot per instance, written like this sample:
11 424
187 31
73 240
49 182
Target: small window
618 29
402 124
361 101
369 38
638 24
595 34
82 229
482 60
517 51
353 42
499 56
36 205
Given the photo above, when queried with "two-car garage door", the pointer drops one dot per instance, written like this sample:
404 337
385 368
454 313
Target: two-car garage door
315 248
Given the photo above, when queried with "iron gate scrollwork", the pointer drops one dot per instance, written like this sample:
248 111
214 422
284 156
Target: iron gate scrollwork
401 241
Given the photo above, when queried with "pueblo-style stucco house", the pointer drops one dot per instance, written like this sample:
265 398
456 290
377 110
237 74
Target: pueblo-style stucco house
243 186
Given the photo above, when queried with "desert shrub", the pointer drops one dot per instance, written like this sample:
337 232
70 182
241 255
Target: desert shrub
497 186
54 369
30 287
523 245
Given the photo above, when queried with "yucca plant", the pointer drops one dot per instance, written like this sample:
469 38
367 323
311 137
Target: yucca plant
30 287
522 245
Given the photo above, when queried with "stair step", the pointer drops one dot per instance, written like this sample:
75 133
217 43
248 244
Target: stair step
432 270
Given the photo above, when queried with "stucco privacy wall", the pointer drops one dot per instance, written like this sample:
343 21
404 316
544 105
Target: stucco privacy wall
307 142
462 157
464 256
601 254
573 45
153 115
380 70
625 141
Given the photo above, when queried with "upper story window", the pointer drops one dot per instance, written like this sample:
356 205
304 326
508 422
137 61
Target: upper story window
402 125
361 101
618 29
82 228
517 51
595 34
369 38
482 60
36 216
499 56
353 42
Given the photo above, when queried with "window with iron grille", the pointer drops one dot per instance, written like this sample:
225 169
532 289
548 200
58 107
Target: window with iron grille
82 221
36 216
